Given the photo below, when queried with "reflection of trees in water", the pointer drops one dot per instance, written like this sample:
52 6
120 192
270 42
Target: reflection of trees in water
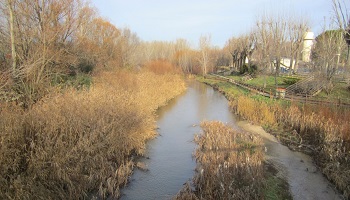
165 109
202 99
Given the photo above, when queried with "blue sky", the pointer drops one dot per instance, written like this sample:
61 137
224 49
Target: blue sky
168 20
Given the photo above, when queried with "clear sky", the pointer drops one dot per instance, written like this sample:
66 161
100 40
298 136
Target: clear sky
168 20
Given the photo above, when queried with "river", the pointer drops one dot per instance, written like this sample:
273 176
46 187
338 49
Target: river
169 156
170 162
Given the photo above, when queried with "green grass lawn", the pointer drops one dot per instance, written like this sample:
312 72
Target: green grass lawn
268 81
340 91
231 90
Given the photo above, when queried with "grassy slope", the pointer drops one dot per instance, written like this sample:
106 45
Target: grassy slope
340 91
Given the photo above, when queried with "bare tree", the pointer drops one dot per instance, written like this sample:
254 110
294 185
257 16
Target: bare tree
204 46
241 49
271 36
41 35
264 46
278 28
130 44
342 15
297 28
327 52
263 43
182 55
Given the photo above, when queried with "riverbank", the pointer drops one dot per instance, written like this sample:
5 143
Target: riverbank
77 144
300 129
304 178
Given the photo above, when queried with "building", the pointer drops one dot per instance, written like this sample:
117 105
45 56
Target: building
307 46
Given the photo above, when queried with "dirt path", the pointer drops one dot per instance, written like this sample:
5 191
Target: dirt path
305 180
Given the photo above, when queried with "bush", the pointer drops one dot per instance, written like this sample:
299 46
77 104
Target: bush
251 69
86 67
290 81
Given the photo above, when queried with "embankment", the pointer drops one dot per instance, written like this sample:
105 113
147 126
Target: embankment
78 144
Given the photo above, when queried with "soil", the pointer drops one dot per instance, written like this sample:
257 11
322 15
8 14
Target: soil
304 179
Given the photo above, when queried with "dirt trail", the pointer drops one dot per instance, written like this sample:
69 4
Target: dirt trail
305 180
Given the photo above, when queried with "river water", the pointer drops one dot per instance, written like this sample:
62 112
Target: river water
169 156
170 162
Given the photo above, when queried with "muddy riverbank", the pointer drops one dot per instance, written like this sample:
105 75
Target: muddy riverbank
304 178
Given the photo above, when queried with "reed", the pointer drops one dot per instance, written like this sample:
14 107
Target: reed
80 144
323 129
255 111
229 164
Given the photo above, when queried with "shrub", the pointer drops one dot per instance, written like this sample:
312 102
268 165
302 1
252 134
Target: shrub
86 66
290 81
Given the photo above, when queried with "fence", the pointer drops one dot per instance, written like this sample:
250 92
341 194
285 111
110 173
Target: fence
303 98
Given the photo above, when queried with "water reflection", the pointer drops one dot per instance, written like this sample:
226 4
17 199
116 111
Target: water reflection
171 163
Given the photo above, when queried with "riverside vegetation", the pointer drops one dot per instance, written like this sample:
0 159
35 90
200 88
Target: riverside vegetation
323 131
77 144
229 165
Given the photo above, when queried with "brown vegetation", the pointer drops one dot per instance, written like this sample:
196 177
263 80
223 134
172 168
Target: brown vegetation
79 144
161 67
229 165
323 129
60 139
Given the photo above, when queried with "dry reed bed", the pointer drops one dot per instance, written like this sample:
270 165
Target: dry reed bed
229 165
324 129
79 144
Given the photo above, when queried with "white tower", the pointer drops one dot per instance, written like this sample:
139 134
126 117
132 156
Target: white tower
307 45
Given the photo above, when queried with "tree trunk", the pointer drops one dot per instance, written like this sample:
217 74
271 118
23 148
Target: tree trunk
12 33
296 62
277 72
347 58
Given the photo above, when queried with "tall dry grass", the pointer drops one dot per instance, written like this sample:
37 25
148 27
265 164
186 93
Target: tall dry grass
79 144
254 111
327 131
324 129
229 164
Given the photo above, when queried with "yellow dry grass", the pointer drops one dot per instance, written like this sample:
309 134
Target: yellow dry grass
254 111
323 128
79 144
229 164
